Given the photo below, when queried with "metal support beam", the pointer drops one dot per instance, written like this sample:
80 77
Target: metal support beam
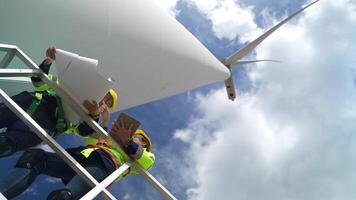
2 197
51 142
6 47
105 183
19 72
154 183
82 112
4 63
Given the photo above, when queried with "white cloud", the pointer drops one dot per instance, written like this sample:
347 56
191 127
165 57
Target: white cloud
126 197
294 136
226 16
169 5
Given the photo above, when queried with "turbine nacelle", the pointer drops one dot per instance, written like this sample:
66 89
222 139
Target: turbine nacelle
234 59
229 83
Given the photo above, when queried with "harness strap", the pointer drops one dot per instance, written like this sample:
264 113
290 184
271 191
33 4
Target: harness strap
34 104
106 144
111 155
99 145
33 107
61 123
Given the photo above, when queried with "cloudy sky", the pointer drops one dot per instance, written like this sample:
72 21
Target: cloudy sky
290 133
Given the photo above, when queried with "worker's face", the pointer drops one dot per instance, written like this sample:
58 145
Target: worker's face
139 139
108 100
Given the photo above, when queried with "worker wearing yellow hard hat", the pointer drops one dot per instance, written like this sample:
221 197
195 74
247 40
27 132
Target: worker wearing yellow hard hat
110 99
146 138
45 107
96 110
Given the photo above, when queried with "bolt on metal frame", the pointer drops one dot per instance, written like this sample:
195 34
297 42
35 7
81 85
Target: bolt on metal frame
34 70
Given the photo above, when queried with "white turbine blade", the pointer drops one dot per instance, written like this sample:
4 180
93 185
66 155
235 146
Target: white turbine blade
148 52
254 61
247 49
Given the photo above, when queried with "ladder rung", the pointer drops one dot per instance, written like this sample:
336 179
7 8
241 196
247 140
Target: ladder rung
6 47
19 72
107 181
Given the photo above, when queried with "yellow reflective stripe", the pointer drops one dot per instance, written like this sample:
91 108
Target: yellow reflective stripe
43 87
72 130
86 152
38 96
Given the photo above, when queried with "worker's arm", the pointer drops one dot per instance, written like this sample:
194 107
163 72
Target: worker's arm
85 130
131 148
104 114
144 158
45 67
94 111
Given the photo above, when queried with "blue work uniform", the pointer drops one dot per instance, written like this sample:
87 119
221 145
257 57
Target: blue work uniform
18 135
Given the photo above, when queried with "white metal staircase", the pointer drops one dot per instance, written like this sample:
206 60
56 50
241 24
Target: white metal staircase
11 52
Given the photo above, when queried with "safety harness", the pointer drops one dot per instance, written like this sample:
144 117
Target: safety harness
104 146
61 123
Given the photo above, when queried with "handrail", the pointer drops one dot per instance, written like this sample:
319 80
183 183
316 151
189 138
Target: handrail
2 197
41 133
82 112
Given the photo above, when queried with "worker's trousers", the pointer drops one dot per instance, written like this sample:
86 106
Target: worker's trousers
18 136
20 178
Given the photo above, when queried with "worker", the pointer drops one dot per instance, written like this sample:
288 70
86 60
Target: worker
109 102
45 107
99 157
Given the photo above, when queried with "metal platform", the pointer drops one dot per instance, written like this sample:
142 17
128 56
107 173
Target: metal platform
97 188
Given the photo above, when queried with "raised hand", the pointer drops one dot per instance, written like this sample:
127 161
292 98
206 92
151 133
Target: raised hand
105 114
50 55
93 107
120 133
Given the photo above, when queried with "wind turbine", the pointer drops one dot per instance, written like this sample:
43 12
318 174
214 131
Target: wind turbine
234 59
149 53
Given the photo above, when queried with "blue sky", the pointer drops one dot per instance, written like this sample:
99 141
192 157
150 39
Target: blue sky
289 135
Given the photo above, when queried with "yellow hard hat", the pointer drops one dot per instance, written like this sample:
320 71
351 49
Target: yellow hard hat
141 132
114 99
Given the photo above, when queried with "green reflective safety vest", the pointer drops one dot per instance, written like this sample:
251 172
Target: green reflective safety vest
39 90
44 87
145 161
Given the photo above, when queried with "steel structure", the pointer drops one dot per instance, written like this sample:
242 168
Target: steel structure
11 52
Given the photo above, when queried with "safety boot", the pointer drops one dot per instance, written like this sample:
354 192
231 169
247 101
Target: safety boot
62 194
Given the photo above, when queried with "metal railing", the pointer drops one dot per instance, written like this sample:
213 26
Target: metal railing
11 52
